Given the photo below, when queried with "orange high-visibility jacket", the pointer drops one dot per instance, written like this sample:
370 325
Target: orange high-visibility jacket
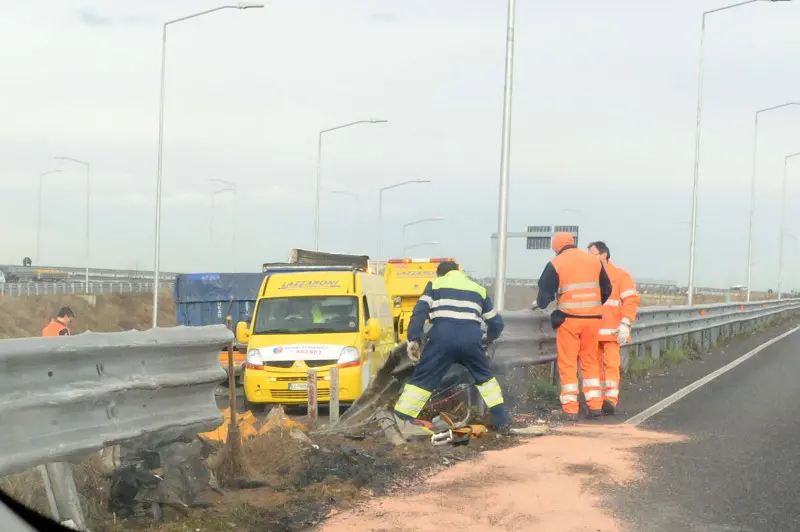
56 328
623 303
578 283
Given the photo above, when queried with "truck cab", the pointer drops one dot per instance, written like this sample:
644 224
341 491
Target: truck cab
405 280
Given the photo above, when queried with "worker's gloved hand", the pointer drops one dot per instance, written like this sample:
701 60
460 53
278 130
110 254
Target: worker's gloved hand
413 351
624 332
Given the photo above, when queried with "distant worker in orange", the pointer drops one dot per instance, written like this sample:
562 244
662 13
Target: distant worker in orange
59 326
579 284
619 313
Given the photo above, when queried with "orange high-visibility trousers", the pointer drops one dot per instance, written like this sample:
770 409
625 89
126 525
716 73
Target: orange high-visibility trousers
576 341
609 371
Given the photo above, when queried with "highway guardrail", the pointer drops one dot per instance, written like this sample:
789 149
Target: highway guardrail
74 287
29 273
61 398
529 339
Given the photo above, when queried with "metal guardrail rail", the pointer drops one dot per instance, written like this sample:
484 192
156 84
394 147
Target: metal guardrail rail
26 273
99 287
529 339
61 398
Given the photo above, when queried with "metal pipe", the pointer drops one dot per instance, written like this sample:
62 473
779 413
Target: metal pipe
693 231
380 208
88 199
505 161
753 194
319 171
39 216
783 224
409 224
157 251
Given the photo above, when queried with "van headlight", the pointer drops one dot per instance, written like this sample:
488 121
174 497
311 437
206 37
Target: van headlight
349 356
254 358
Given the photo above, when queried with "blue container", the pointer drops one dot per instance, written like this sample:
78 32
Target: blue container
203 298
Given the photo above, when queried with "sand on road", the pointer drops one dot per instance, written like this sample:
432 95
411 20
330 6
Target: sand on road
555 482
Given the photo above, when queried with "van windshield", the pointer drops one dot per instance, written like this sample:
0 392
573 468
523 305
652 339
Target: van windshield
298 315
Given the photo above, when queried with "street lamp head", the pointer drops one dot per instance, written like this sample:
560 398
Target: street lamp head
248 5
377 121
422 181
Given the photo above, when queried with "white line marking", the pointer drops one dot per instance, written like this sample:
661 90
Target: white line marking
683 392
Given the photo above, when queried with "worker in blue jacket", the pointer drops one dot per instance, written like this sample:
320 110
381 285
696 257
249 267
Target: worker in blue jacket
456 306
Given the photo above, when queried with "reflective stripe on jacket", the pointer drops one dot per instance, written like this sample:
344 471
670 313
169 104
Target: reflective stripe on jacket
56 328
623 303
457 299
578 283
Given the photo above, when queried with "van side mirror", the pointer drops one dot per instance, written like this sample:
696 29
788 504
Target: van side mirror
242 332
373 329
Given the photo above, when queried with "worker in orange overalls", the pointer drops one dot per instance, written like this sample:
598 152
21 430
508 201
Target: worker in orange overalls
619 313
579 283
59 326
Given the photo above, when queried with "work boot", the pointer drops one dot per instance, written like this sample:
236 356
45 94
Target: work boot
560 415
505 430
594 414
609 408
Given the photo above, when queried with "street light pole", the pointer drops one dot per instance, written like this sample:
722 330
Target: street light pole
88 198
409 224
693 231
231 187
421 244
380 208
783 226
505 161
319 170
39 216
753 193
157 253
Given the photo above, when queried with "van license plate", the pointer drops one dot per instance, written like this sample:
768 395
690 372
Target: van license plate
296 386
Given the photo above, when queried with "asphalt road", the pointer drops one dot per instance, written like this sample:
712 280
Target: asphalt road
739 468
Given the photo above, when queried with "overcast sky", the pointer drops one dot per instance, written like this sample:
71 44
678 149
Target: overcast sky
603 130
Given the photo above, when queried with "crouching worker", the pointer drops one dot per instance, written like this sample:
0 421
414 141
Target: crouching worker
456 306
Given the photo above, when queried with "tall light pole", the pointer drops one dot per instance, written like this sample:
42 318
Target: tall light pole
505 161
421 244
693 235
753 193
39 216
88 199
231 187
157 257
380 208
424 220
319 170
783 226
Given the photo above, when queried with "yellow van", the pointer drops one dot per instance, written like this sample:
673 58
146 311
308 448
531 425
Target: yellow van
315 317
405 280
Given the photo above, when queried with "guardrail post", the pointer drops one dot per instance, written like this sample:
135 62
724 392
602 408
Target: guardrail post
625 356
58 476
655 349
312 398
334 396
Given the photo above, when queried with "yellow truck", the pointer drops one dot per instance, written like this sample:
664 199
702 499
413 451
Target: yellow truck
405 280
315 317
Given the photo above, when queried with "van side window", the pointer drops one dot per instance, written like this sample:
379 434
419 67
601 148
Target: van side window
366 310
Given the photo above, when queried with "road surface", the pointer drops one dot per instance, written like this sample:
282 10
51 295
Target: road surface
738 469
